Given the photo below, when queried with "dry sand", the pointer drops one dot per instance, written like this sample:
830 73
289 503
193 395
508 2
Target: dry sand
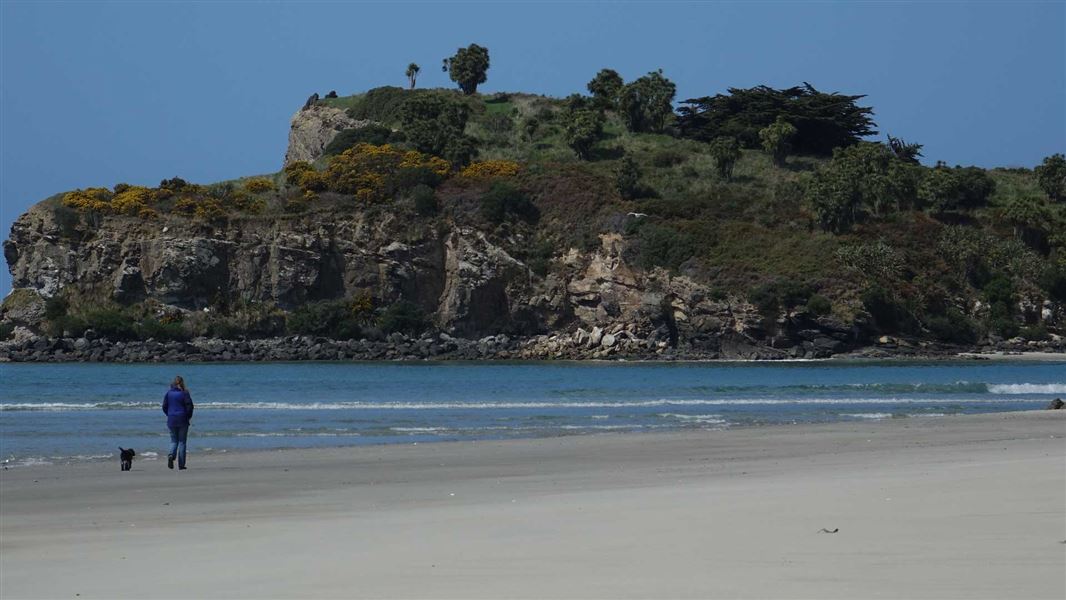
949 507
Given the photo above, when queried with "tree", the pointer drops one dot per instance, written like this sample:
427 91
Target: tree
726 152
605 88
468 67
777 140
435 124
647 103
412 73
904 151
1051 176
824 121
861 180
961 188
582 130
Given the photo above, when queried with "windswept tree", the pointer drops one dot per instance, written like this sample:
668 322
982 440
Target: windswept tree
1051 176
726 152
777 140
412 74
825 121
605 88
646 104
904 151
468 67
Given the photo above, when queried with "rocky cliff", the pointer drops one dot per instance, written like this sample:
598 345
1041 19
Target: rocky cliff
313 127
470 283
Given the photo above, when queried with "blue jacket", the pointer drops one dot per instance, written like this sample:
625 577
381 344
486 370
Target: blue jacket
177 406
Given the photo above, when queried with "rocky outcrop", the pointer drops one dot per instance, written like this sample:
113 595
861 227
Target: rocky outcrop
593 304
313 127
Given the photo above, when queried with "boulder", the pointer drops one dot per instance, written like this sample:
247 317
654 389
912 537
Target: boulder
1056 404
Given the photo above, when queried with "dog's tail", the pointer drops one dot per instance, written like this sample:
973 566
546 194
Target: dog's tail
121 449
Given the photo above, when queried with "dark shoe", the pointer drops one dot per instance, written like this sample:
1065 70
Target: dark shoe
170 462
181 468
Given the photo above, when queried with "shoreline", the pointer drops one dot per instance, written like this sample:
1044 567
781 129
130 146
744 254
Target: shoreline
441 347
153 457
961 506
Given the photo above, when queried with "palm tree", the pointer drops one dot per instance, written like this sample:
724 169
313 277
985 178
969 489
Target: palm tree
412 73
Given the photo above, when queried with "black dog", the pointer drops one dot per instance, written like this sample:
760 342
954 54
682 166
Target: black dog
126 458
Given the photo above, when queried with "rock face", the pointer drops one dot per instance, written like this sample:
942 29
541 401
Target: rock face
313 127
592 304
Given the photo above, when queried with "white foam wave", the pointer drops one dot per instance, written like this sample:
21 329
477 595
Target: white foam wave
1027 388
868 415
717 419
62 406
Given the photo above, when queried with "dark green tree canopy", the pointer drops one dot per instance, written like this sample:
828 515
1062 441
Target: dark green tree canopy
1051 176
582 129
861 180
435 124
468 67
823 121
960 188
605 87
647 103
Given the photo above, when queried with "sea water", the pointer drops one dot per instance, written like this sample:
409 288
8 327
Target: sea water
56 413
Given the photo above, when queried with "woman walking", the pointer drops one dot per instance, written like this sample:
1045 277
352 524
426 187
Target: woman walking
177 406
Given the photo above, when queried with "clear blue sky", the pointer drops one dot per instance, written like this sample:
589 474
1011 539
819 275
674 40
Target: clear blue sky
100 93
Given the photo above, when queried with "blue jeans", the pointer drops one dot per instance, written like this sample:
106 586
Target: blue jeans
178 436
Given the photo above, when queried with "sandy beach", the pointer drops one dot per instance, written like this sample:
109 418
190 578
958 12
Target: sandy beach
939 507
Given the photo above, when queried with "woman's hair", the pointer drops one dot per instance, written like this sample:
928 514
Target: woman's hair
179 383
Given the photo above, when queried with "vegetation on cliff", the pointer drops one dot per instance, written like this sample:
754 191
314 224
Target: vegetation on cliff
778 197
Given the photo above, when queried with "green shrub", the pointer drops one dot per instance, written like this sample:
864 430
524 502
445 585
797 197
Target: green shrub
1053 280
819 305
769 298
425 200
379 104
161 331
726 152
112 323
665 247
627 178
403 317
330 318
6 330
953 326
504 200
667 157
1051 176
370 134
888 313
68 219
1036 333
538 259
56 307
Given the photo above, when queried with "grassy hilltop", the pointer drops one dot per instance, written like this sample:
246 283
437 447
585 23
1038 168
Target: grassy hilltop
782 198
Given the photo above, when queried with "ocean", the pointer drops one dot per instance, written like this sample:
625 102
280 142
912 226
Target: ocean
61 413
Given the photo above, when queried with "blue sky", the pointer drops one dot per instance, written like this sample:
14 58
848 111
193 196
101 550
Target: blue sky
101 93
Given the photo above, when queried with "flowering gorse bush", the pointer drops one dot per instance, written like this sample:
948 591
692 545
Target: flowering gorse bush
490 169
